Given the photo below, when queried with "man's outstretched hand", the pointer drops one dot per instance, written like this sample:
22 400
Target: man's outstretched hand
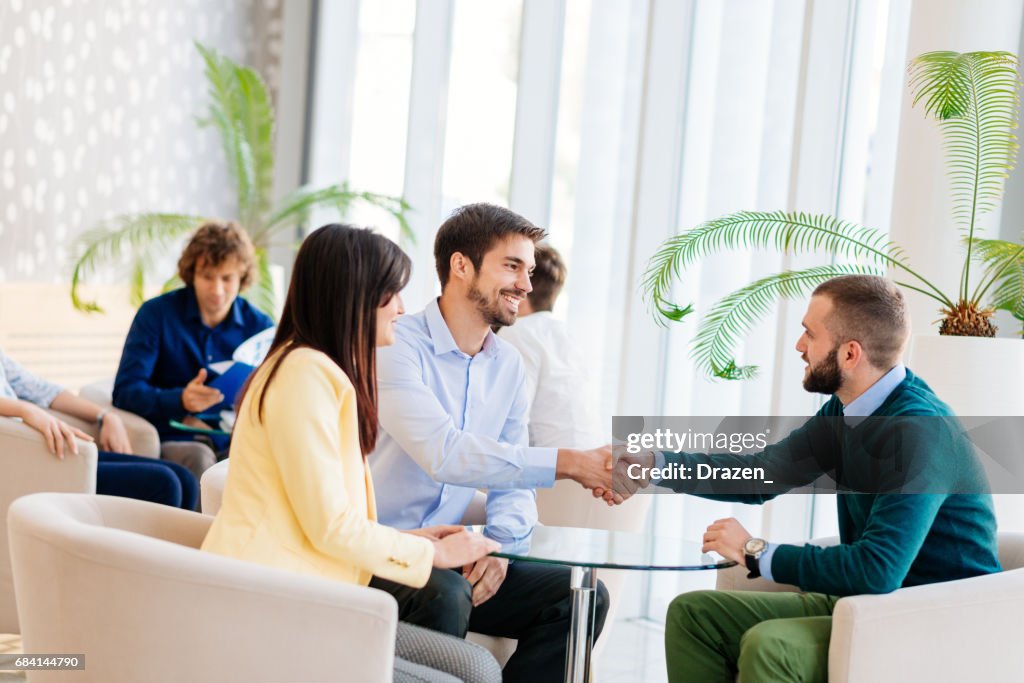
630 474
726 537
591 469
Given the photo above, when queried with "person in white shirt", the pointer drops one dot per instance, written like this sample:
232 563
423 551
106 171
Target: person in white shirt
561 411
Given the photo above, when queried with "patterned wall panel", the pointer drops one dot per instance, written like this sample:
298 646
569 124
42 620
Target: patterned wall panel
98 100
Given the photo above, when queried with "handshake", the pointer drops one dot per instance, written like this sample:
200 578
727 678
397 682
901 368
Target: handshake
610 474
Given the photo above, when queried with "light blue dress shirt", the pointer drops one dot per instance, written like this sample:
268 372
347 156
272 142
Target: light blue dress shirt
452 423
862 406
18 383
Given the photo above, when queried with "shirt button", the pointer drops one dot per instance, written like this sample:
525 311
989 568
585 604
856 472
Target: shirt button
209 358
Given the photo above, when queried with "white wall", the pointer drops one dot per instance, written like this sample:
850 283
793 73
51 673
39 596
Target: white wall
97 107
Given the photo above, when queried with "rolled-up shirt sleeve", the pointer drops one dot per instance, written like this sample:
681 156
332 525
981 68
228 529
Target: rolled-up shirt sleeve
27 386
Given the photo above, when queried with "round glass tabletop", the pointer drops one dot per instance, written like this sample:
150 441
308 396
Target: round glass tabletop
602 549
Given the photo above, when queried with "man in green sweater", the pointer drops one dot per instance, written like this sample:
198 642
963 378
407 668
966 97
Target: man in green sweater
855 331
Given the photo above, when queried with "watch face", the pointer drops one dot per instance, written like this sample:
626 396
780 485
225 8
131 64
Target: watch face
754 546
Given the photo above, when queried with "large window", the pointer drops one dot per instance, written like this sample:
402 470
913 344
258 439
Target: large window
616 124
481 103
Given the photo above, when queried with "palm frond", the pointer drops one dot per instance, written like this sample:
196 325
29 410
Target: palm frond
240 109
129 238
942 80
137 292
171 283
975 97
736 314
296 207
261 294
1004 275
397 207
787 232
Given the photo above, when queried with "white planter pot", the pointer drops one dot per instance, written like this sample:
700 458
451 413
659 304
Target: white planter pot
974 375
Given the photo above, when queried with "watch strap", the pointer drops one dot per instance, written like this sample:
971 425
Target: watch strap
753 568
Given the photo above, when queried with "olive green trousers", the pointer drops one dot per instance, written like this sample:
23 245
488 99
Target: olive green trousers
713 636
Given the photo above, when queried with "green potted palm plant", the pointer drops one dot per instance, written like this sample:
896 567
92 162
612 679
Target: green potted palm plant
975 99
241 112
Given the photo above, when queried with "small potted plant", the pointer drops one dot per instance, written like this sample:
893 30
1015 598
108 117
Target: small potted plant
241 111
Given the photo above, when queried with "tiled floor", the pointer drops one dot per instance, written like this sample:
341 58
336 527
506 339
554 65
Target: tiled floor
633 655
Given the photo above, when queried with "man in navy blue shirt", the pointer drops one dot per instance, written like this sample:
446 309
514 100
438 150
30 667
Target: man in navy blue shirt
175 337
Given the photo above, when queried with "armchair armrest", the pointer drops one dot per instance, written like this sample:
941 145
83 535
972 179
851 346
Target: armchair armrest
735 578
28 467
142 434
905 633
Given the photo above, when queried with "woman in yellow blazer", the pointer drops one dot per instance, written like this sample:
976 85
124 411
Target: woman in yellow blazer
299 494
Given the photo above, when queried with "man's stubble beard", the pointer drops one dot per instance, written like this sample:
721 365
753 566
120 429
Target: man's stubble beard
490 310
825 377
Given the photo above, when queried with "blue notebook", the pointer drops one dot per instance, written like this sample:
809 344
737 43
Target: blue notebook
230 382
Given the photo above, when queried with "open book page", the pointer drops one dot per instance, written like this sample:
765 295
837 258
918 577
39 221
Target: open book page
232 374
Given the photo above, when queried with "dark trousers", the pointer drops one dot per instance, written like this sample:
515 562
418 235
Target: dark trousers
533 605
156 481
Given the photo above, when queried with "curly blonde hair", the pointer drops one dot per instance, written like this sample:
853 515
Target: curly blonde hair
213 244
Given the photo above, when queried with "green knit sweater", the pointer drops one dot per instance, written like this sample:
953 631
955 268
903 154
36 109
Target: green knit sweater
887 540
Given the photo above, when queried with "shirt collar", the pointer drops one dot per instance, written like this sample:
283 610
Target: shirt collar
235 315
192 309
868 402
191 305
442 337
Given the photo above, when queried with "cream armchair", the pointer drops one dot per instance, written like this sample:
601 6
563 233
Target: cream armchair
123 582
212 492
26 466
957 630
211 487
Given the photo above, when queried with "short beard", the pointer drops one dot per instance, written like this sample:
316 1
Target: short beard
825 377
492 311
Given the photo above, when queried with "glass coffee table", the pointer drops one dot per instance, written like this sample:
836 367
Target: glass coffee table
587 550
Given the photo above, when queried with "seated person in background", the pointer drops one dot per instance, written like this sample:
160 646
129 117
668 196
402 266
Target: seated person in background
855 330
299 494
23 395
556 379
453 412
176 335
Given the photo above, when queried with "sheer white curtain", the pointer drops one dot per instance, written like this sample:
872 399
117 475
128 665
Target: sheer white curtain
781 112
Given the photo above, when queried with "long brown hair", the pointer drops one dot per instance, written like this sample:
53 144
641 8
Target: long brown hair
342 275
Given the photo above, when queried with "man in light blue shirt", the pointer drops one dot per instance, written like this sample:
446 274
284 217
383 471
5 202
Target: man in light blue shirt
453 412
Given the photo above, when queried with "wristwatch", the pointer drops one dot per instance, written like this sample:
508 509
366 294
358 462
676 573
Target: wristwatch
753 549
